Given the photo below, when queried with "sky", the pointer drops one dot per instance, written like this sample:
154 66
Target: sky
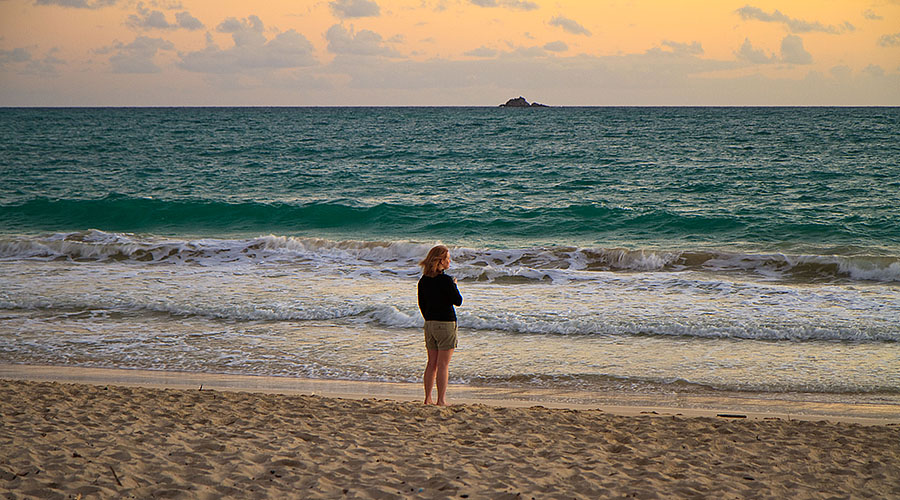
449 52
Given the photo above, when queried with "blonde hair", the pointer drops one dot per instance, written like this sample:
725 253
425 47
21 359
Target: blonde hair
432 262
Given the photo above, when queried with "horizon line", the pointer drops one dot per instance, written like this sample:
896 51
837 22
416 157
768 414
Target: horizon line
484 106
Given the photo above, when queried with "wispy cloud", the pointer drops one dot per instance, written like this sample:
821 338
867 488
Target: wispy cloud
348 9
77 4
508 4
871 15
17 55
167 4
841 72
570 25
147 19
137 56
25 63
694 48
47 66
362 43
482 52
557 46
892 40
794 25
874 70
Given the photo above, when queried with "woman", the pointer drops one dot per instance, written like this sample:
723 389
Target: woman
437 296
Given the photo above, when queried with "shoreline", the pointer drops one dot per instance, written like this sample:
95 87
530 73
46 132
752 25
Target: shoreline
752 406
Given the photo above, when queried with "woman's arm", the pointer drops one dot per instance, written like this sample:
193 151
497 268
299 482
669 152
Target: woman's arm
454 296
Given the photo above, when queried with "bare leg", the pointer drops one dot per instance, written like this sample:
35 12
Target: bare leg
430 371
442 375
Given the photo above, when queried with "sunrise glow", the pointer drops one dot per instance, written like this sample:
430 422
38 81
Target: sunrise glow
449 52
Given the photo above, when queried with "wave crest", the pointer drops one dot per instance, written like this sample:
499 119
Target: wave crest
509 265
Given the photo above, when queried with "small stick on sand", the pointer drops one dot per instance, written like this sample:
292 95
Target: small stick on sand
116 476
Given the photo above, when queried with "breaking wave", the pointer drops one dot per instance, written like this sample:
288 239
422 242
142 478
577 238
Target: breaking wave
526 264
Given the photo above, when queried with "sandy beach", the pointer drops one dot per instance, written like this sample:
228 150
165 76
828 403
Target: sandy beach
70 440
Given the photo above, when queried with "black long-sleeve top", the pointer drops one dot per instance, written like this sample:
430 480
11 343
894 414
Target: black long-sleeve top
437 296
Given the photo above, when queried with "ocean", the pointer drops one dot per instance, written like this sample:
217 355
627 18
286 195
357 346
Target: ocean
644 250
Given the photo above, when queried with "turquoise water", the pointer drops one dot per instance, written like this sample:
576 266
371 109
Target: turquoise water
639 248
675 177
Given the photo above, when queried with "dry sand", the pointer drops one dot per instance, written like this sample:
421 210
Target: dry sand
63 440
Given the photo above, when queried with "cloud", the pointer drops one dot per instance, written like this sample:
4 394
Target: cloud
871 15
792 51
147 19
508 4
346 9
167 4
528 52
657 78
482 52
519 5
437 6
251 23
841 72
677 50
18 55
794 25
693 48
77 4
245 32
569 25
756 56
47 66
364 43
557 46
515 71
28 64
874 70
137 56
890 40
251 50
187 21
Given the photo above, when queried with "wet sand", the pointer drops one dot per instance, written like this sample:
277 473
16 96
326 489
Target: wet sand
121 440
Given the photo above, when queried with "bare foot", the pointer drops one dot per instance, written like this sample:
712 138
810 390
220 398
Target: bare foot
429 402
442 403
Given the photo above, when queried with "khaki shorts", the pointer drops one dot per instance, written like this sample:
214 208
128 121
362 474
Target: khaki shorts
440 335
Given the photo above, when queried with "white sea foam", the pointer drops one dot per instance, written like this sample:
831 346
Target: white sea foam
557 264
348 321
558 291
658 304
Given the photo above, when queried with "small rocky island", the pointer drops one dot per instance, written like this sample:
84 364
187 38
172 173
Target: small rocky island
520 102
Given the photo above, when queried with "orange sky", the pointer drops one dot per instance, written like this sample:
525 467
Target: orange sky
449 52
